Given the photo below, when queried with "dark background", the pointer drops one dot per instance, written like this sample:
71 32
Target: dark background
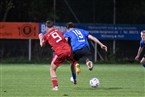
83 11
78 11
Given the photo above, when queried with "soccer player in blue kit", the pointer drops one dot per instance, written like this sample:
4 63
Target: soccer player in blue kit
140 49
78 39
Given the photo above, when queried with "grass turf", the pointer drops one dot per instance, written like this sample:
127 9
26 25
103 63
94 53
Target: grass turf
33 80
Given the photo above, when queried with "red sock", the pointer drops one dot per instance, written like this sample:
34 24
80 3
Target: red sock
54 81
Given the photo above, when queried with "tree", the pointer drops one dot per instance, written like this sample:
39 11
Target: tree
5 7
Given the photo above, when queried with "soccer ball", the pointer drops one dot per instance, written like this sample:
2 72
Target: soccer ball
94 82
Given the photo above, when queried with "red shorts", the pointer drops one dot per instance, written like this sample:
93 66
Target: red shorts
59 59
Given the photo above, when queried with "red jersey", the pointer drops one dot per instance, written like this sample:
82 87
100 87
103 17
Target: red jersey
57 41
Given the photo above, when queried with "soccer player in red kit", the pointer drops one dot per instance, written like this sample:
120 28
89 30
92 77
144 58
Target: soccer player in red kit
62 51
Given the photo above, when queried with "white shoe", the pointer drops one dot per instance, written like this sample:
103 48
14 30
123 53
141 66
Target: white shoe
90 65
55 88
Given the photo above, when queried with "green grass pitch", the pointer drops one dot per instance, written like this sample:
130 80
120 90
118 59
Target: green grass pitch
33 80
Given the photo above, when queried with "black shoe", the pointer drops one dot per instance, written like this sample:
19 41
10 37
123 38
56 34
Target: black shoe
75 82
90 69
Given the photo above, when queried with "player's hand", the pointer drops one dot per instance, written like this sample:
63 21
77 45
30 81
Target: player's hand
40 36
104 47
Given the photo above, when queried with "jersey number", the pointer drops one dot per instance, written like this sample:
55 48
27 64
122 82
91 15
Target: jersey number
79 35
56 35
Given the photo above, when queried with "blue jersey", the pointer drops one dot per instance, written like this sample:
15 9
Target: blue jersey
78 38
142 44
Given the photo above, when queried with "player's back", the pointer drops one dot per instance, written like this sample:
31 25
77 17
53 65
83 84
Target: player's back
56 40
78 38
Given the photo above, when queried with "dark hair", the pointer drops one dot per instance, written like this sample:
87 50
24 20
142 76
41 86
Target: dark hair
70 25
49 23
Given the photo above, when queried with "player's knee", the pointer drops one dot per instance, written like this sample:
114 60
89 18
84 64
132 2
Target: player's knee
53 67
142 62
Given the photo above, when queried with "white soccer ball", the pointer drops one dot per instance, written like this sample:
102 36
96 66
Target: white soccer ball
94 82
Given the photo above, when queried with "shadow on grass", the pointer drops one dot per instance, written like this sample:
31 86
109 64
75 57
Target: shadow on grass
111 88
98 88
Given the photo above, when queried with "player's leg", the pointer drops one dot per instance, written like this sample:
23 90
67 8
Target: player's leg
74 57
89 64
84 53
73 71
53 75
74 66
77 55
88 58
77 67
55 63
143 61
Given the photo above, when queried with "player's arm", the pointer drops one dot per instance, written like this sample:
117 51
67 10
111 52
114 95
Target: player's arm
140 49
66 36
66 39
98 42
41 39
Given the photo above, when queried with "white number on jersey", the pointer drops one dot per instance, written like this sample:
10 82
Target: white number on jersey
79 35
56 35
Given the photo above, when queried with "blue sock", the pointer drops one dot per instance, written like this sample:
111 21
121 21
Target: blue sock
143 65
74 75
